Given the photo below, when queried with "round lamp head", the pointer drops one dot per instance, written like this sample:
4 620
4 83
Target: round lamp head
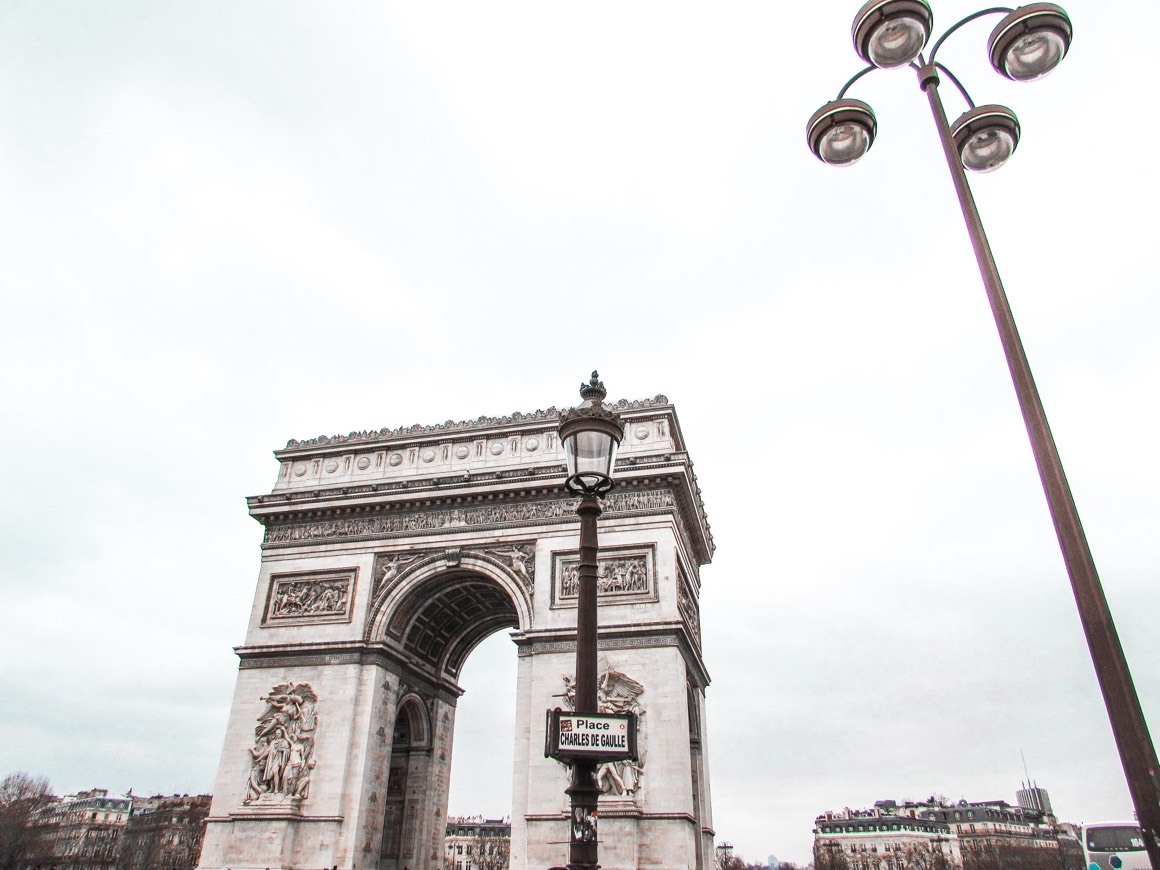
841 132
1030 42
892 33
590 434
986 137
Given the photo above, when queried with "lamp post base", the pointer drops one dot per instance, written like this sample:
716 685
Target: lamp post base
582 827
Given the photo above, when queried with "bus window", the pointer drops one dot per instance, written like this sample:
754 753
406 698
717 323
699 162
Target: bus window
1115 846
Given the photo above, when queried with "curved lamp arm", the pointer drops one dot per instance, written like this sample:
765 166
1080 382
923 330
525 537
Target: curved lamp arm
994 10
854 78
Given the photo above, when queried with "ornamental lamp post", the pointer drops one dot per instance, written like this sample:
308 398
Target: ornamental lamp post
590 434
1026 44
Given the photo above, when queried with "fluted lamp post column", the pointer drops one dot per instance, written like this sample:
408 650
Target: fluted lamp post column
1027 43
590 434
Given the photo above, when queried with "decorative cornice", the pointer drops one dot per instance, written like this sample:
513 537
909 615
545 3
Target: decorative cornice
603 643
617 812
397 662
548 415
640 636
254 815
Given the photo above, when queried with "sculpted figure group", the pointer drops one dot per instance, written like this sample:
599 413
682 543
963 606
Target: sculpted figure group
614 576
616 693
309 598
282 757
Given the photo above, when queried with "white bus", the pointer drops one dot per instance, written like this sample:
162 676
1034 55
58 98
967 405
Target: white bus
1114 846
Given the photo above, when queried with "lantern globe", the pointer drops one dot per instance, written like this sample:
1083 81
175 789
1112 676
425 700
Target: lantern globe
590 434
986 137
892 33
841 132
1030 42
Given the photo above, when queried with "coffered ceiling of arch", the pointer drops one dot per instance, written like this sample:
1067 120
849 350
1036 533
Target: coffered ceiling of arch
441 621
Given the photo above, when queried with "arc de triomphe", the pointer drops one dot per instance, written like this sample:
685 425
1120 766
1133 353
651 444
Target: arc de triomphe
388 556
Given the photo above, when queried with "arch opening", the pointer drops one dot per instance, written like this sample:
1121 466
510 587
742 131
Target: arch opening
444 618
481 768
407 777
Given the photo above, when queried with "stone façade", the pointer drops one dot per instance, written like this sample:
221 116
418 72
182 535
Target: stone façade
387 556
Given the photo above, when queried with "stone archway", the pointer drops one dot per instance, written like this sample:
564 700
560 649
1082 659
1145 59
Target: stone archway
434 616
436 606
407 777
388 556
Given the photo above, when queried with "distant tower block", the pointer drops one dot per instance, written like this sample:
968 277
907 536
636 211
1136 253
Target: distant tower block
388 556
1032 797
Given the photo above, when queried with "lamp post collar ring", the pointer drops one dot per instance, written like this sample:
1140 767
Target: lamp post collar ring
928 76
588 484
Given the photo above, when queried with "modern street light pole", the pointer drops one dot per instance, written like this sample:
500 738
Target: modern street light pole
1027 44
590 434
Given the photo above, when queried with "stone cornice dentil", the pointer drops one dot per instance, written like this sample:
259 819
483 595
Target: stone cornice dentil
420 430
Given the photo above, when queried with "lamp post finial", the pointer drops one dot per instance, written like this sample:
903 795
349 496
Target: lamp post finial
594 389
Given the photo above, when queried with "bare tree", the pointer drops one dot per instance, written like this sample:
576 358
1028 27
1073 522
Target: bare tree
21 796
828 855
922 856
490 853
733 862
1012 856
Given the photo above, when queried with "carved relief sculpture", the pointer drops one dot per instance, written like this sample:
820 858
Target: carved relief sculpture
616 693
518 557
387 568
312 597
614 576
688 608
624 573
282 757
391 568
434 520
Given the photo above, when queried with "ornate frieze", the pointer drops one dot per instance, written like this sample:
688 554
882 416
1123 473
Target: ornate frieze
606 643
624 574
616 693
282 757
412 522
310 597
282 660
687 604
624 501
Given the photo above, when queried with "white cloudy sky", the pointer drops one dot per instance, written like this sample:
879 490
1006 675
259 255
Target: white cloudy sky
224 225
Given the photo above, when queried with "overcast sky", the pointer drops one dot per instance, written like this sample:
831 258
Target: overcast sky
224 225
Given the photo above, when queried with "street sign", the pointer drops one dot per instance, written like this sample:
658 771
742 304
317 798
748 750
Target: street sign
593 736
